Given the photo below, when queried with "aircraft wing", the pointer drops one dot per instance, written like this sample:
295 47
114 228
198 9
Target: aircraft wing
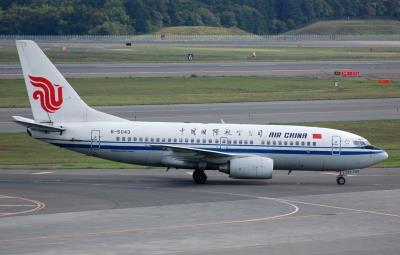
192 150
29 123
191 154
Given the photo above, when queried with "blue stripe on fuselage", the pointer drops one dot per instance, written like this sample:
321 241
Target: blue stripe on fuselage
233 150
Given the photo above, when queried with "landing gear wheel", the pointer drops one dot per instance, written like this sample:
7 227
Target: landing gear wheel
199 177
340 180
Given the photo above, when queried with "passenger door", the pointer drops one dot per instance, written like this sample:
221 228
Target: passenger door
95 140
336 145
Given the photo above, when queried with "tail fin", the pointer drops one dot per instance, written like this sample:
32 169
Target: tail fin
51 97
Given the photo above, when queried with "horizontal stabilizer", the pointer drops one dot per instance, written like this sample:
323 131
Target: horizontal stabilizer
29 123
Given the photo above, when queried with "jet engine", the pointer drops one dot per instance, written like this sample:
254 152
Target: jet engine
252 167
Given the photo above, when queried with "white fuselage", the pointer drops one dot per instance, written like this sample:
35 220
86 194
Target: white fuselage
290 147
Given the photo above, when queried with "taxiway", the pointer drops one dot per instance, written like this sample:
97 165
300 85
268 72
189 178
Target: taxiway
368 69
153 212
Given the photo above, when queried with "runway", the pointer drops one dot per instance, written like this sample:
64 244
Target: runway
250 113
368 69
153 212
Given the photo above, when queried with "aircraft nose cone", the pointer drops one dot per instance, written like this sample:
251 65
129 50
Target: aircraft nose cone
385 155
382 156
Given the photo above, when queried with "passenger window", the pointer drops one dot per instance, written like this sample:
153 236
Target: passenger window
210 141
262 142
268 142
129 139
141 139
251 141
169 140
291 143
163 140
297 143
216 141
186 140
117 138
146 139
285 143
240 141
197 140
245 141
204 141
123 138
274 142
314 144
180 140
192 140
234 142
175 140
308 143
280 142
135 139
152 139
302 143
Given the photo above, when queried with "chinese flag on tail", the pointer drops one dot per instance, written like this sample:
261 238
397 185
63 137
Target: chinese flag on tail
317 136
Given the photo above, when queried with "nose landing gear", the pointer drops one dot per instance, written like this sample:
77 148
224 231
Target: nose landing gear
340 179
199 176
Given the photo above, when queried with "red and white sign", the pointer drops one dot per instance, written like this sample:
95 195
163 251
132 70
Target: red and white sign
349 73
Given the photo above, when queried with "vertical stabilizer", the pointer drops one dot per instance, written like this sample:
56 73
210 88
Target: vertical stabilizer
51 97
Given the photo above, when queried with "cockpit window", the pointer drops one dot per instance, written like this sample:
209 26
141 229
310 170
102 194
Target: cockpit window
360 143
365 145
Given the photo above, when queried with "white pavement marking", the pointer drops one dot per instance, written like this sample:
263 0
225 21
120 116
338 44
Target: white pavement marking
43 172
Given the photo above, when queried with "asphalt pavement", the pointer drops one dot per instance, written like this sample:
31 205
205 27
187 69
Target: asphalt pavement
368 69
154 212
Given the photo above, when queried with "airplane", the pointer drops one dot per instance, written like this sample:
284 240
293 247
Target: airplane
62 118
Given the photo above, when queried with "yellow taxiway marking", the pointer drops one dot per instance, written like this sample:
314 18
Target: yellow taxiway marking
38 205
178 226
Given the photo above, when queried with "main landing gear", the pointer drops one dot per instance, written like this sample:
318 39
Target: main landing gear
340 179
199 176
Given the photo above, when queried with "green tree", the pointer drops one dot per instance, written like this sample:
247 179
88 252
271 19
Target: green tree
228 19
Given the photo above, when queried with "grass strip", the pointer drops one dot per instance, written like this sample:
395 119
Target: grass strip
176 90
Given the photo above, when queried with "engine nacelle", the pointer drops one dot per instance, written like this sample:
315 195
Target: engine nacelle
252 167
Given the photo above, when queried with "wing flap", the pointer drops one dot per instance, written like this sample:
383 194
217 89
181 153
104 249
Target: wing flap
180 156
190 151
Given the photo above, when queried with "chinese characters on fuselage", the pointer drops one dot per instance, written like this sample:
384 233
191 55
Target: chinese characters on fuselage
229 132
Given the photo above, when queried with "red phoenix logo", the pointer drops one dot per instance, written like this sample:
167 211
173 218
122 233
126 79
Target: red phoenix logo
50 100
